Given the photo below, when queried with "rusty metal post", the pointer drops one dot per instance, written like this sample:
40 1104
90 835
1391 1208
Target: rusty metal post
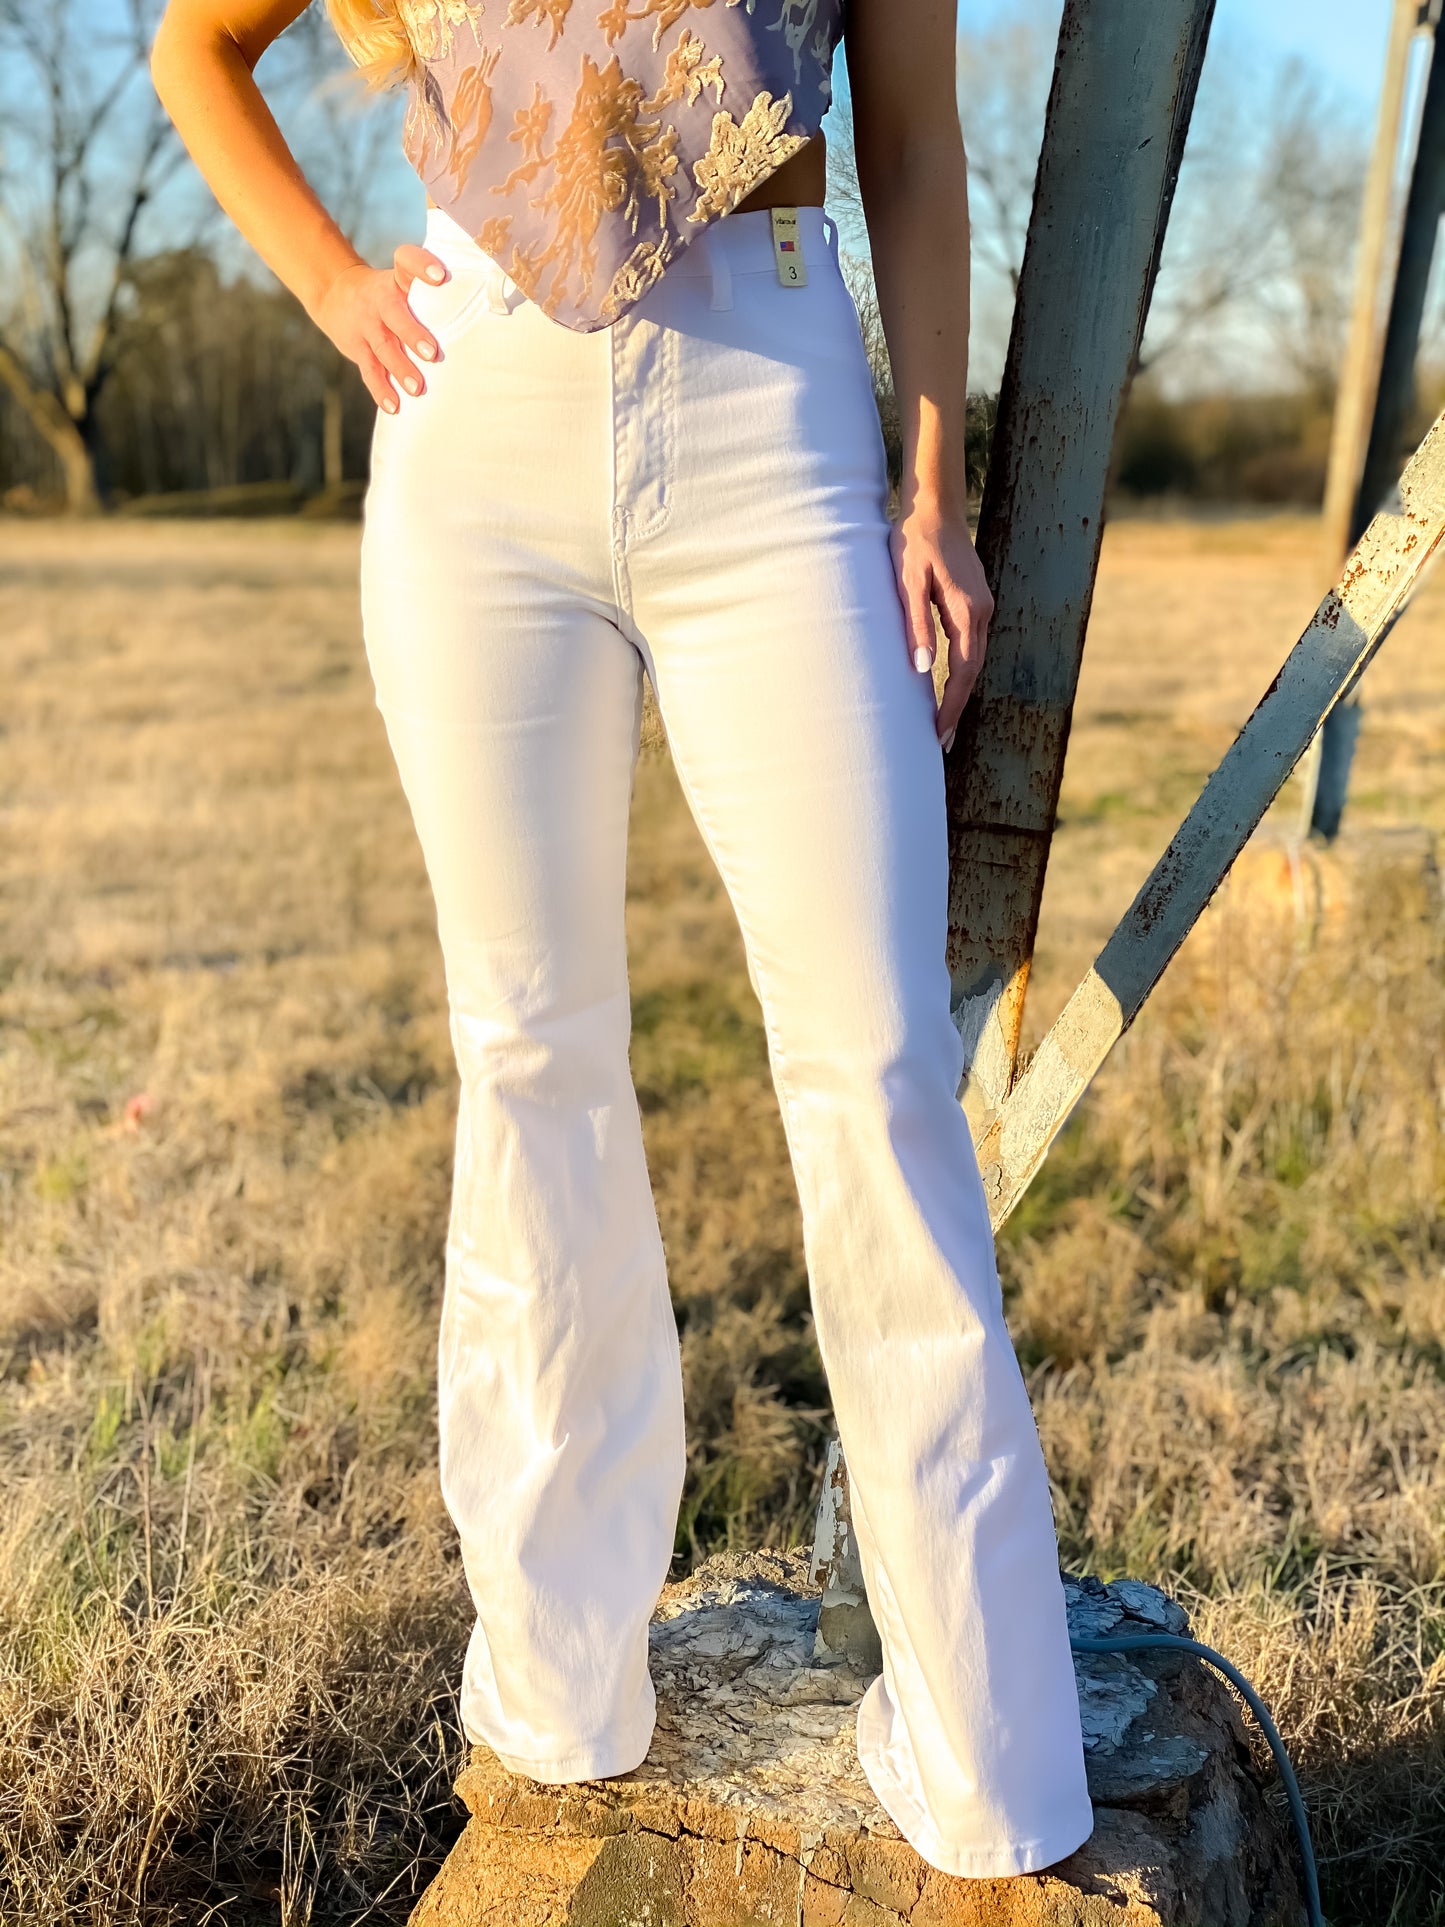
1348 628
1392 398
1119 108
1123 90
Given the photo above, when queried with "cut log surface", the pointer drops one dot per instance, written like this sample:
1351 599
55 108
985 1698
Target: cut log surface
751 1806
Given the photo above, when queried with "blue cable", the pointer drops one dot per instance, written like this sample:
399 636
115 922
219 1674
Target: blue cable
1129 1642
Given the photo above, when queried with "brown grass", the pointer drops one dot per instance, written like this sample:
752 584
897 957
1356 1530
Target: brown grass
231 1617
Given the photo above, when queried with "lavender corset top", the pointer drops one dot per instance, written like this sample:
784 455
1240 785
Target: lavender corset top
582 143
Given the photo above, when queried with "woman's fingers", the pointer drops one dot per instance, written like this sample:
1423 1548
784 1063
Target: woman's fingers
914 591
937 565
367 315
965 620
378 382
411 260
389 350
413 263
399 317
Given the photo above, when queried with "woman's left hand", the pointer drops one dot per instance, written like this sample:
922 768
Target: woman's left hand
936 563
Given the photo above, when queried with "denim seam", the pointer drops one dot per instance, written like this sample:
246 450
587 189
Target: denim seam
664 402
617 514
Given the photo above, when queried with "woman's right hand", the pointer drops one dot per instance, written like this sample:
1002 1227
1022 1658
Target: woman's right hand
365 312
202 63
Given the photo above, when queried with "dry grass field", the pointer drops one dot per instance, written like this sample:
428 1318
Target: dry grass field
231 1617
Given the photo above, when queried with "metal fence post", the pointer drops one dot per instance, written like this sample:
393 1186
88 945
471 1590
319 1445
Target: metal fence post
1119 109
1327 773
1348 628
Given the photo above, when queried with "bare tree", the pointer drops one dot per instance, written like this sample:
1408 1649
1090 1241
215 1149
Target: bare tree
1309 194
1256 269
87 147
1003 84
1255 272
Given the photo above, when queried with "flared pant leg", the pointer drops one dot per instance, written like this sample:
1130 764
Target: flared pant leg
760 587
513 705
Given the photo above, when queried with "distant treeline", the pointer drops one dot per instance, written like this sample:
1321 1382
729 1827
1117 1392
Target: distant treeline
226 387
215 384
1270 449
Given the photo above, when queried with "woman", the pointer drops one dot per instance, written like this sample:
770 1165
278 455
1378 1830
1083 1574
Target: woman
645 437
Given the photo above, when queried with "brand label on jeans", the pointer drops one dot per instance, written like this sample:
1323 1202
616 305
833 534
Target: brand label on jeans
788 247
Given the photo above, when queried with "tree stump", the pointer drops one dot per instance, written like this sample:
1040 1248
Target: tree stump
751 1806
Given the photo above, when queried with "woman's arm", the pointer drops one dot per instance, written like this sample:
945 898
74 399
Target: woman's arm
201 64
913 178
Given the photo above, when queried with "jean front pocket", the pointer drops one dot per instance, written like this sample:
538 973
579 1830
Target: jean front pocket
445 309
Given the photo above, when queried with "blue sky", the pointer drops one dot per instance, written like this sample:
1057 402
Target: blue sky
1344 38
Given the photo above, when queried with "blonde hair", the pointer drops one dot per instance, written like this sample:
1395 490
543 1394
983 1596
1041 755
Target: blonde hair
375 36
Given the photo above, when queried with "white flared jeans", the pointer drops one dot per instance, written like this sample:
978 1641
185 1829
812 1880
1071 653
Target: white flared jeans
700 490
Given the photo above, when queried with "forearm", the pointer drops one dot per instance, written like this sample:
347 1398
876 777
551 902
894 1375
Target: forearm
203 77
915 198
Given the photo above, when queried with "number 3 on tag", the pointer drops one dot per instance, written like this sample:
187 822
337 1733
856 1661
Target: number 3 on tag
788 247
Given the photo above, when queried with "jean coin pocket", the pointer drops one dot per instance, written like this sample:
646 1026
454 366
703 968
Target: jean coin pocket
444 308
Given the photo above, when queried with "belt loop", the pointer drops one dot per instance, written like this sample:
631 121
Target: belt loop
497 287
722 274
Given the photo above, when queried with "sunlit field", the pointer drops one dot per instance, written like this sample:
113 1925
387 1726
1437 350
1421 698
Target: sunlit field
231 1614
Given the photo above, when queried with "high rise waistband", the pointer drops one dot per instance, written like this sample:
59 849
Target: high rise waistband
731 244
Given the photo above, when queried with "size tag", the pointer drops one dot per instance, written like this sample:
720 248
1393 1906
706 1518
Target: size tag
788 247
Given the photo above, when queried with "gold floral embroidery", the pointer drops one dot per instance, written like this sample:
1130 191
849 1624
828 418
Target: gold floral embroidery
638 272
525 269
743 153
531 127
600 149
686 74
591 177
492 236
613 21
430 24
554 10
471 104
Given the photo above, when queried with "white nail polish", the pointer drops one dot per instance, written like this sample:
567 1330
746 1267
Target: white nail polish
922 659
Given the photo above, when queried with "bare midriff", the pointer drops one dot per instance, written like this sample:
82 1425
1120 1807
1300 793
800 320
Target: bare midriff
799 182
